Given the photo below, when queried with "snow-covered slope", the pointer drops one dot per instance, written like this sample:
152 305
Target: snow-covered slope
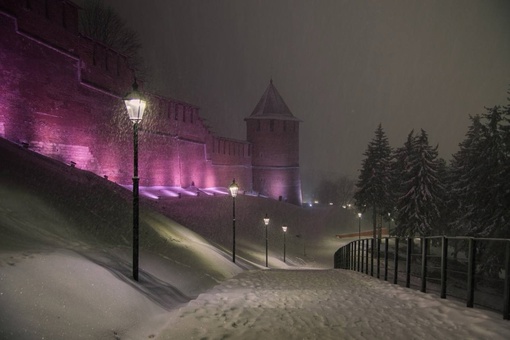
65 248
65 269
65 254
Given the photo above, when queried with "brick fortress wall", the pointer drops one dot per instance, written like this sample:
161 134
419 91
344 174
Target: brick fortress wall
61 96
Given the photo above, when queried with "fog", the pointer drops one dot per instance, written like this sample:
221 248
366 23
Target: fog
342 67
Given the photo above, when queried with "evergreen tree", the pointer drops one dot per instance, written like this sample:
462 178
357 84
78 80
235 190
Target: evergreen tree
418 209
480 174
398 169
375 177
486 198
466 179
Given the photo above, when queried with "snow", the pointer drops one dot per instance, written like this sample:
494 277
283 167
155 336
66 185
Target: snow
65 269
325 304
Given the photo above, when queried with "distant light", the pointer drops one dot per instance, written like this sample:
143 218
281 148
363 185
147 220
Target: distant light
359 215
316 202
310 204
266 220
284 228
330 203
344 206
349 205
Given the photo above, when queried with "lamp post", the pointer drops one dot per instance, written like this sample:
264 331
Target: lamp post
359 226
135 105
233 188
266 222
284 228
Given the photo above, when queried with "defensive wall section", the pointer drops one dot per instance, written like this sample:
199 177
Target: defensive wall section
61 96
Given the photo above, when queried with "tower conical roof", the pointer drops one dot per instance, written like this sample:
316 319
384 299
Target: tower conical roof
271 106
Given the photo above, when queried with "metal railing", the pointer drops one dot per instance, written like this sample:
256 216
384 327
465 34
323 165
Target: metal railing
476 270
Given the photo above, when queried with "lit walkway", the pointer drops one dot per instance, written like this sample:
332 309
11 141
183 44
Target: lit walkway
326 304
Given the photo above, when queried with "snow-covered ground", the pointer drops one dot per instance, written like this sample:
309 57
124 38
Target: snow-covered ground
325 304
65 268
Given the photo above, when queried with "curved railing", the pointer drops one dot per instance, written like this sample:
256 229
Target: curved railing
476 270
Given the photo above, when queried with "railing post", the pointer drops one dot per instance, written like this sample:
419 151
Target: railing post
371 242
367 255
471 273
506 297
424 251
395 261
362 257
378 271
353 256
444 264
386 240
347 256
408 261
358 264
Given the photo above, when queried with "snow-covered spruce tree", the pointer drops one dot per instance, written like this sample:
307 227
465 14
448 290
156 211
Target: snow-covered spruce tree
399 163
418 208
375 177
466 178
485 182
480 188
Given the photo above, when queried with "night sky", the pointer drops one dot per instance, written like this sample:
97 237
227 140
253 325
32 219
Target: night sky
342 66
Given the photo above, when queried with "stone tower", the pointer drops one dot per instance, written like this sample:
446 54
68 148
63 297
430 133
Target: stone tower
273 132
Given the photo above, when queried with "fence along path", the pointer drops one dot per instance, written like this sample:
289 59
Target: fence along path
476 270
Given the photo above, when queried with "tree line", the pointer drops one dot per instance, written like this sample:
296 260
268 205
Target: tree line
412 185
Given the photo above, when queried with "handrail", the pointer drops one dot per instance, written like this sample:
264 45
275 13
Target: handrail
460 263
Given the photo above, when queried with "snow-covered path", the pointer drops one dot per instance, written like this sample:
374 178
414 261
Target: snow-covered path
326 304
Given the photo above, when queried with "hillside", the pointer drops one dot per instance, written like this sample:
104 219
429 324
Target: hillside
66 242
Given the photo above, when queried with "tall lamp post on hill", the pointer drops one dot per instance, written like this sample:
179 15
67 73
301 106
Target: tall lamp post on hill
233 188
266 222
135 105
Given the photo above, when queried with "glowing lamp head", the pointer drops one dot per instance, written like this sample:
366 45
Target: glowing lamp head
359 215
284 228
266 220
135 104
234 188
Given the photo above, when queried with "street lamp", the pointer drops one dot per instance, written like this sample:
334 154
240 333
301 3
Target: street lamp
284 228
135 105
359 226
266 222
233 188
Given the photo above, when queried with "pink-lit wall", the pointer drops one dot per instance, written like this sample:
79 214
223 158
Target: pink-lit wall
61 95
275 158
